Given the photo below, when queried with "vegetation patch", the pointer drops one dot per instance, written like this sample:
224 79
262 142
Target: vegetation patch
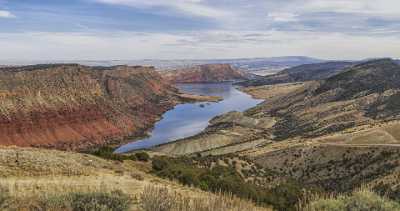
108 154
156 198
359 200
224 179
74 201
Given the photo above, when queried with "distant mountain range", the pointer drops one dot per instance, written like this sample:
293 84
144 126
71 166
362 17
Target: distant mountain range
259 66
306 72
266 65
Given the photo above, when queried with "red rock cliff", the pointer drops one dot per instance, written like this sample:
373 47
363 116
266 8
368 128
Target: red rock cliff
204 74
76 107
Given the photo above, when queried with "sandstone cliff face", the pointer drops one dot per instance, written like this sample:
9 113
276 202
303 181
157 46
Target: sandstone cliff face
210 73
76 107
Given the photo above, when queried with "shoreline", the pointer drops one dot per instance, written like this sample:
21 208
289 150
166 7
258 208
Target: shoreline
184 99
150 149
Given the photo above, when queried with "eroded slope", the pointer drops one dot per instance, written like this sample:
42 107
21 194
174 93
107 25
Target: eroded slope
209 73
76 107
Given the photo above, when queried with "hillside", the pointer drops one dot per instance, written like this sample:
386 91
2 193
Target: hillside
302 73
210 73
338 134
319 137
39 179
365 94
78 107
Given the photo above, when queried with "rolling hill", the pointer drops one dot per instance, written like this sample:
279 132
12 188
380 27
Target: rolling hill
338 133
301 73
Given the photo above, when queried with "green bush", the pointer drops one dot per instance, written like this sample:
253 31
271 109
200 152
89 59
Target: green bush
159 164
155 198
361 200
108 154
228 180
142 156
4 196
367 200
92 201
114 201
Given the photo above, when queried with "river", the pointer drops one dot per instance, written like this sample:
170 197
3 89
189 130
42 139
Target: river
188 119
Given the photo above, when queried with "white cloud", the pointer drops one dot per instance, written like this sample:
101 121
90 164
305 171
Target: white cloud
337 29
283 17
193 45
191 7
384 8
6 14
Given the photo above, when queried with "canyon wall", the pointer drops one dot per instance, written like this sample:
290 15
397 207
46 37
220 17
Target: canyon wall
74 107
210 73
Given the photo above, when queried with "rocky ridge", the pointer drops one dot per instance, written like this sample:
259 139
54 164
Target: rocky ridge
209 73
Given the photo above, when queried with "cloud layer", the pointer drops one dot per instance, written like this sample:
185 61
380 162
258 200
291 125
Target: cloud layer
135 29
6 14
193 45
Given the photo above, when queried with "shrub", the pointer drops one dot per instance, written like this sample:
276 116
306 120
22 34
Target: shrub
160 163
367 200
227 179
92 201
359 200
108 154
137 176
114 201
142 156
4 196
156 199
162 199
327 205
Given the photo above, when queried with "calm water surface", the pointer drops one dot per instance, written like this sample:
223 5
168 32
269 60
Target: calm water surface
186 120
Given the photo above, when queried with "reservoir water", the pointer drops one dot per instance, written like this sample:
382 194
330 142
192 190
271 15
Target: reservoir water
188 119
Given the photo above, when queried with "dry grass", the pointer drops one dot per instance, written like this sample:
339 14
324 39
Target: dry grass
156 198
46 89
360 200
16 161
67 201
144 194
41 174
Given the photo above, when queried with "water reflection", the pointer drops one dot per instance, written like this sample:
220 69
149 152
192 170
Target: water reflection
186 120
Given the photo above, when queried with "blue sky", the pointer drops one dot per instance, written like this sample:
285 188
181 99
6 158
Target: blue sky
204 29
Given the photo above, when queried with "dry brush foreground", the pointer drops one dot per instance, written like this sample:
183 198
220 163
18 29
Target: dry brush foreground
36 179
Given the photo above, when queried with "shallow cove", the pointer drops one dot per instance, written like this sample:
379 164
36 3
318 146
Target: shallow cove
188 119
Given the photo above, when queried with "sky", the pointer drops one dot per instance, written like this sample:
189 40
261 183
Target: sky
198 29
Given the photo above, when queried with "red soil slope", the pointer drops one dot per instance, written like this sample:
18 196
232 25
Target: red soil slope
75 107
